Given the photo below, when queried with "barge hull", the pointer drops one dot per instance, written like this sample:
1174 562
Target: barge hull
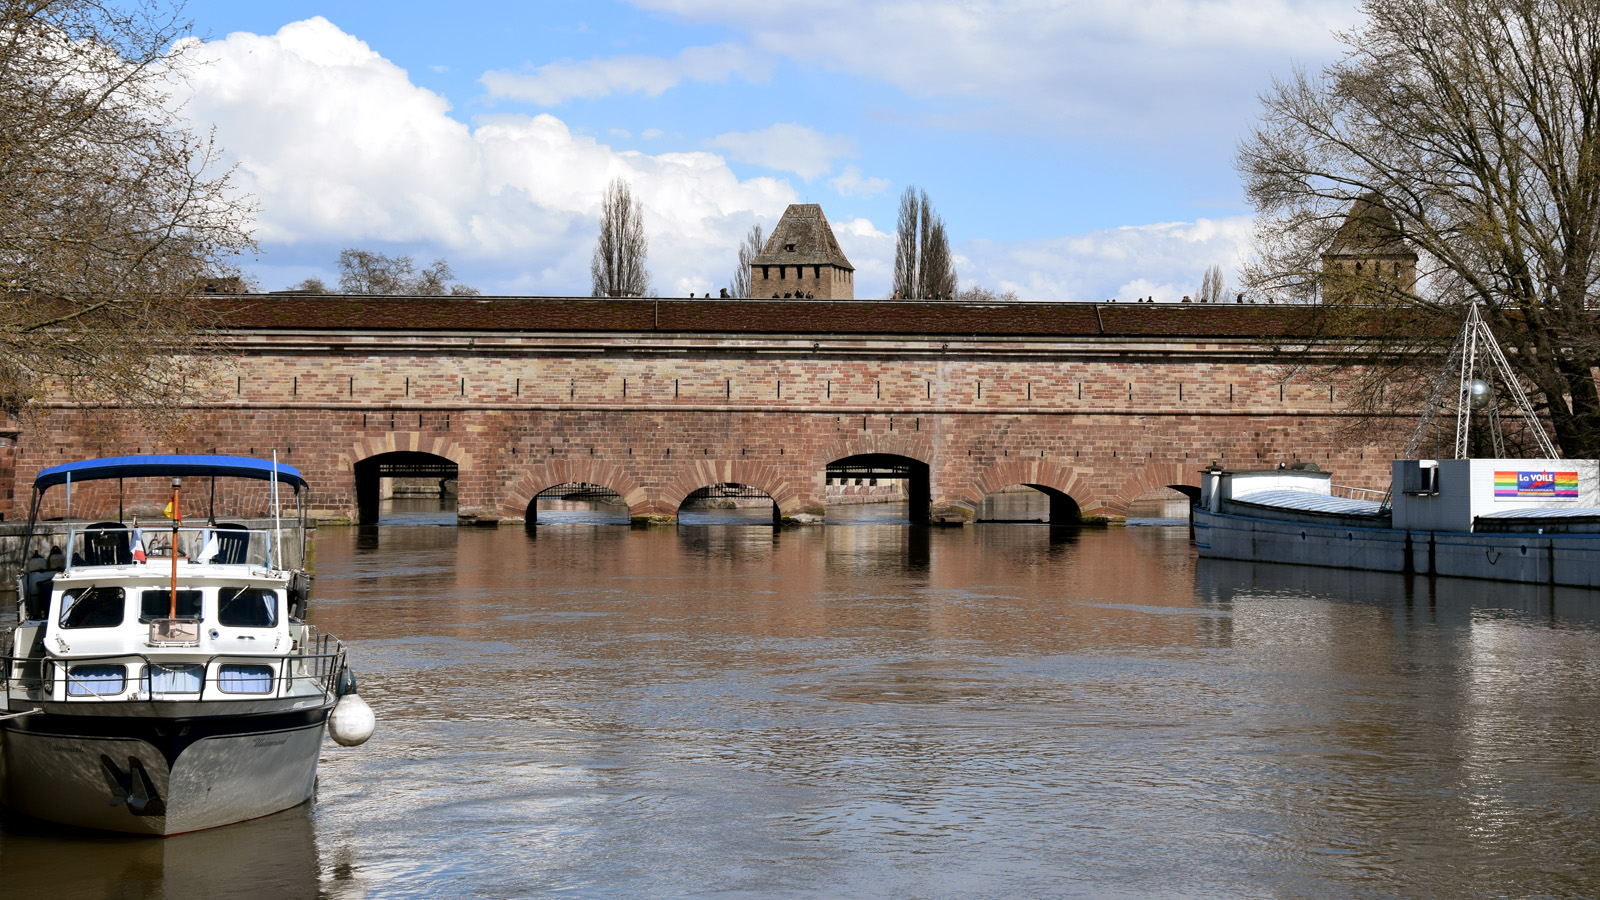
1561 559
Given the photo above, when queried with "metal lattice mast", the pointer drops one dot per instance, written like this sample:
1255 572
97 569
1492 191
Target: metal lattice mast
1475 349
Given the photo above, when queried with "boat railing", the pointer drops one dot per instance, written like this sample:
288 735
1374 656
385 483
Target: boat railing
313 668
1355 493
115 544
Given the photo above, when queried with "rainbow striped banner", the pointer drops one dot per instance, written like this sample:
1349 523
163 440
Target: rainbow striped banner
1541 485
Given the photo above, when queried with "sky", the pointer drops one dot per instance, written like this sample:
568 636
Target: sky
1078 150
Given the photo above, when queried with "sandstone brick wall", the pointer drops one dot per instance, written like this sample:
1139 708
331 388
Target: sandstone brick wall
655 416
823 282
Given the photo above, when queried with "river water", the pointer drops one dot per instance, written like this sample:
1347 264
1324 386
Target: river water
875 710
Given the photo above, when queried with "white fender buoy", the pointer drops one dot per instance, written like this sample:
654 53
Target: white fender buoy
351 721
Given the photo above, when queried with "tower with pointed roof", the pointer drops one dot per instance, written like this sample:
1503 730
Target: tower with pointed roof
802 260
1369 260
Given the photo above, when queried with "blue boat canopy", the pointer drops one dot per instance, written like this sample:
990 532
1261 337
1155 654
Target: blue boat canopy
166 467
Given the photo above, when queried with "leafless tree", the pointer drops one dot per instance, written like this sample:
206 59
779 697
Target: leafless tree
923 265
1472 129
1213 289
977 293
113 212
753 242
366 272
312 285
439 280
619 253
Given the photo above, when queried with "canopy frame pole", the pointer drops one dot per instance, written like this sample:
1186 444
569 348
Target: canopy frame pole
277 524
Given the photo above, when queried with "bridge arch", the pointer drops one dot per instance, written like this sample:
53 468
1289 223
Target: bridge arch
702 473
1154 476
729 495
520 503
1054 479
396 454
878 466
1063 510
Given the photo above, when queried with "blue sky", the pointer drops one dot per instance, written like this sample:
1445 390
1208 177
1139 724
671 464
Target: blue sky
1077 150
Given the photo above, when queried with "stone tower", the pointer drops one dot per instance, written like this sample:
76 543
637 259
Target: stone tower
802 259
1368 261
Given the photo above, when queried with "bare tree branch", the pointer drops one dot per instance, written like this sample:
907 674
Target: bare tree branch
1475 126
113 213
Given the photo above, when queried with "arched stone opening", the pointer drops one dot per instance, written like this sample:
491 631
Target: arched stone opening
576 503
743 475
1161 504
378 476
1029 503
521 501
1058 482
728 503
909 479
1161 483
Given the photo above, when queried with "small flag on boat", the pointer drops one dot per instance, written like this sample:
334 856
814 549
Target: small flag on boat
137 545
209 547
172 512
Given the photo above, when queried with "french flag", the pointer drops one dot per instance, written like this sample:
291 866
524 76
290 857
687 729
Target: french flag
137 545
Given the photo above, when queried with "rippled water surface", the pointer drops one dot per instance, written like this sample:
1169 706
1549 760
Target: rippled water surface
875 710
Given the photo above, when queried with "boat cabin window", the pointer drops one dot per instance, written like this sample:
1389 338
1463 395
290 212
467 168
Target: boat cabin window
247 607
92 607
157 604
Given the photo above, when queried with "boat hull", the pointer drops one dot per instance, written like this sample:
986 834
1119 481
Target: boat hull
159 776
1563 559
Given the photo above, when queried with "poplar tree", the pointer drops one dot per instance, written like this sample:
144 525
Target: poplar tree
923 265
618 268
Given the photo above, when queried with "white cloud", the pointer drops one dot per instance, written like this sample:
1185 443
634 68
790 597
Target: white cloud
872 253
1165 261
1166 69
341 149
786 147
651 134
851 184
556 83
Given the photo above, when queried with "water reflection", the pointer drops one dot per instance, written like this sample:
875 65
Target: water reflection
582 512
268 858
417 511
900 711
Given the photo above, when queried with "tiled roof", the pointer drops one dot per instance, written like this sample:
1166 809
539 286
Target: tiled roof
1369 229
866 317
802 237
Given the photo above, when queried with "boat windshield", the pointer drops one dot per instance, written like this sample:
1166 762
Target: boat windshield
158 603
247 607
92 607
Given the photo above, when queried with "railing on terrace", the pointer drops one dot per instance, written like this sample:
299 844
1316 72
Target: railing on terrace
1356 493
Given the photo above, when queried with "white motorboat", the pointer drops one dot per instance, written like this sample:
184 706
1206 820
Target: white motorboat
162 680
